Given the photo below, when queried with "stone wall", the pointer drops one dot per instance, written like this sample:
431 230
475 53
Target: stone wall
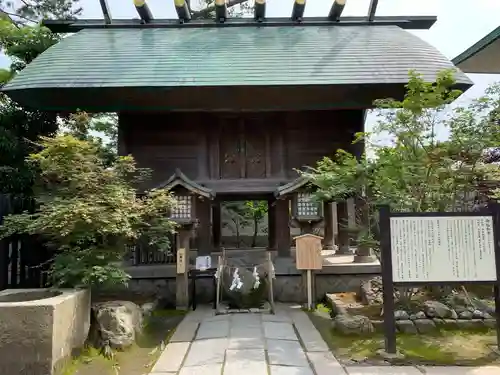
287 288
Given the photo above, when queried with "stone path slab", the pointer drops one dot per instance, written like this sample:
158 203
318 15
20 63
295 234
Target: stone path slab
288 370
251 361
462 370
206 352
287 353
171 358
279 331
213 330
286 343
383 370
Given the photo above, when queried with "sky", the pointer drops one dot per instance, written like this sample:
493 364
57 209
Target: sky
461 23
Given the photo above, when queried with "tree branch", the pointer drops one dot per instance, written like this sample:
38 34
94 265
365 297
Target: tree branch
206 11
10 15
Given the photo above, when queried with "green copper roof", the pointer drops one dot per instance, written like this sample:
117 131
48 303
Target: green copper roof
244 56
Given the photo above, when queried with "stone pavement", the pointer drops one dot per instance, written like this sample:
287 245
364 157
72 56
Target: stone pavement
286 343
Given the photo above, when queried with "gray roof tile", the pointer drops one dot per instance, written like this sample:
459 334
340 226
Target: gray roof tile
300 55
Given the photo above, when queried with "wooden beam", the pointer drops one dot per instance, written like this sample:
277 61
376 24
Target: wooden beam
336 10
404 22
106 12
143 10
220 11
298 10
372 10
183 10
259 10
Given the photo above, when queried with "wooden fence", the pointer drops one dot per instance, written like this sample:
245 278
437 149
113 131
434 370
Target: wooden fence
24 260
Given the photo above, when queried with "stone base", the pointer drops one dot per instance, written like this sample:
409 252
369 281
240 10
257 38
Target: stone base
38 335
390 356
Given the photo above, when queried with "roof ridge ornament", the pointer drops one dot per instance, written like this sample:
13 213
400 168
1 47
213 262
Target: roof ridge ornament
143 10
183 11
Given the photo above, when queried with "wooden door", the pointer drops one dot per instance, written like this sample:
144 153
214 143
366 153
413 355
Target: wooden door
242 149
230 148
254 149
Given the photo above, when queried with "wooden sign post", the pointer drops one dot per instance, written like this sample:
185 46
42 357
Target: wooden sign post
182 277
438 248
308 257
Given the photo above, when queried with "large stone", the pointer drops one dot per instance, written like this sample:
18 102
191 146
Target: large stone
406 326
39 328
470 324
435 309
338 307
248 295
118 322
465 315
353 324
425 325
401 315
445 323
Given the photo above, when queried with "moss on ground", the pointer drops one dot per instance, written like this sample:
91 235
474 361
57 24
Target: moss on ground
443 347
138 358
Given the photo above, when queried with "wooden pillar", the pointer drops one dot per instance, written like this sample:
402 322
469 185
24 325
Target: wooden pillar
182 277
203 214
283 227
216 225
271 224
343 232
364 253
328 226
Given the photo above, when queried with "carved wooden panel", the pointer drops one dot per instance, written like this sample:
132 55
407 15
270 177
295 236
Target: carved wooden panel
255 150
230 158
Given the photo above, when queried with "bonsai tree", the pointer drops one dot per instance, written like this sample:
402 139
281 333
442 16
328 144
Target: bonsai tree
88 211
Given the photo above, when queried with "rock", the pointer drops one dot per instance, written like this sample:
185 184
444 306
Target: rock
247 296
371 291
446 323
118 322
487 316
466 315
484 306
338 307
420 315
401 315
470 324
413 317
454 315
435 309
353 324
406 326
148 308
477 314
425 325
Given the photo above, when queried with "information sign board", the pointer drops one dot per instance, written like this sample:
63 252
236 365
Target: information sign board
443 249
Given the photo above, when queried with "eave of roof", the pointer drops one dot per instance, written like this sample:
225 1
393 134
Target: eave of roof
477 47
174 69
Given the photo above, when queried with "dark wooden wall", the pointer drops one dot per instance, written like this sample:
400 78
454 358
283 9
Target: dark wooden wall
214 146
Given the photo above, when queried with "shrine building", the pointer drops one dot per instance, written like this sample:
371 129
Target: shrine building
227 109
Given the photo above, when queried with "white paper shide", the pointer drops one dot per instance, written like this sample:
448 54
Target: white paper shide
439 249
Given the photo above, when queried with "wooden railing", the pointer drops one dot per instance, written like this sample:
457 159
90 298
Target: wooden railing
144 254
